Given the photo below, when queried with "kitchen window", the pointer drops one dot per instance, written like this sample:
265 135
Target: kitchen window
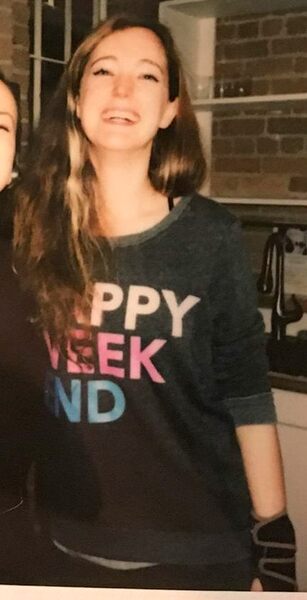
56 28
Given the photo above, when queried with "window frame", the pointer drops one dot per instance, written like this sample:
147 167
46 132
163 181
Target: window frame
99 13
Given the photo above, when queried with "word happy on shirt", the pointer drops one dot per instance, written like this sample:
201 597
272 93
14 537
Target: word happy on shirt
141 301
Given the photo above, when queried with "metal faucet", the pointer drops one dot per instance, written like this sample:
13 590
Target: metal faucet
281 316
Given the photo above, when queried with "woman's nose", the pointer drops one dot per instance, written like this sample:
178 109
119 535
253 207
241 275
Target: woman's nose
123 86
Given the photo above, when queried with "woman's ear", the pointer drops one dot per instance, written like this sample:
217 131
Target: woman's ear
169 114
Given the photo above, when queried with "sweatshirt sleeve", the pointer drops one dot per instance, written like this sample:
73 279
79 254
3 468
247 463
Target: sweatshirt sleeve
23 363
240 362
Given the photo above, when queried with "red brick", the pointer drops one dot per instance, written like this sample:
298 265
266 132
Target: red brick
5 16
248 30
271 66
300 64
219 52
298 184
20 12
21 35
220 114
229 70
292 145
260 87
246 49
5 48
242 126
266 145
225 32
215 128
244 145
297 25
282 164
289 86
24 106
237 165
287 125
254 112
23 81
21 58
285 110
251 185
299 110
25 130
224 184
289 46
272 27
221 146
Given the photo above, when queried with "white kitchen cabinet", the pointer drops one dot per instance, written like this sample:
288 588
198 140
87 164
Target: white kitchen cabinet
193 24
292 418
227 8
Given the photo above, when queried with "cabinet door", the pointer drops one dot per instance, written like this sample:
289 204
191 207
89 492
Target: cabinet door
292 417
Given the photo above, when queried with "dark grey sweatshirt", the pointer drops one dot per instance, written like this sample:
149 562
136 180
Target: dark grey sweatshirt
141 461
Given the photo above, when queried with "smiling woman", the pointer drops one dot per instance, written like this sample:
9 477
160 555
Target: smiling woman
8 129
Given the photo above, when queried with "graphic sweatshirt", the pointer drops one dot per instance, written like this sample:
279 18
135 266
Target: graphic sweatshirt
140 460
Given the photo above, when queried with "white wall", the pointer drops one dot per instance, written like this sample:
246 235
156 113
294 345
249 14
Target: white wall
195 39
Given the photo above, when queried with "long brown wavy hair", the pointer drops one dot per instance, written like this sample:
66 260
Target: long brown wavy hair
54 244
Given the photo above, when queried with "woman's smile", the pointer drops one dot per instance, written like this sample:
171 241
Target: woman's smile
119 116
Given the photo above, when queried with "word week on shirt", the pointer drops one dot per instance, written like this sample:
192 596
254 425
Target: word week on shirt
111 350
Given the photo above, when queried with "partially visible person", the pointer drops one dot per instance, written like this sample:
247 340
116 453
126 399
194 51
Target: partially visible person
8 131
10 134
21 367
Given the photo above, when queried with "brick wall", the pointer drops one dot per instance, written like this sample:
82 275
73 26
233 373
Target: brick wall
261 153
14 50
6 37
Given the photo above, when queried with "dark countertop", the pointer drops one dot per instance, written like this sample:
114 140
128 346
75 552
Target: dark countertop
288 362
288 382
267 215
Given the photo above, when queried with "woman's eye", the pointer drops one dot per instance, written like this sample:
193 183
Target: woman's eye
4 128
150 77
102 71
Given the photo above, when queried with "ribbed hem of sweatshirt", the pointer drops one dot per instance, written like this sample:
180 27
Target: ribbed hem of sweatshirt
252 410
152 546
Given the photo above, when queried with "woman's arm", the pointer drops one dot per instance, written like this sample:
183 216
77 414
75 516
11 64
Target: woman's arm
272 532
242 377
263 467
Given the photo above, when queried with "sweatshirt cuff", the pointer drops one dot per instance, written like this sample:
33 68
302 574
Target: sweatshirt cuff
252 410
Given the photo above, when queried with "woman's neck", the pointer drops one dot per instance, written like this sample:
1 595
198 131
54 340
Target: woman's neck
125 199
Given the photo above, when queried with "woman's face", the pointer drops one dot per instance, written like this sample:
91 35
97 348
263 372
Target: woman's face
124 97
8 124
